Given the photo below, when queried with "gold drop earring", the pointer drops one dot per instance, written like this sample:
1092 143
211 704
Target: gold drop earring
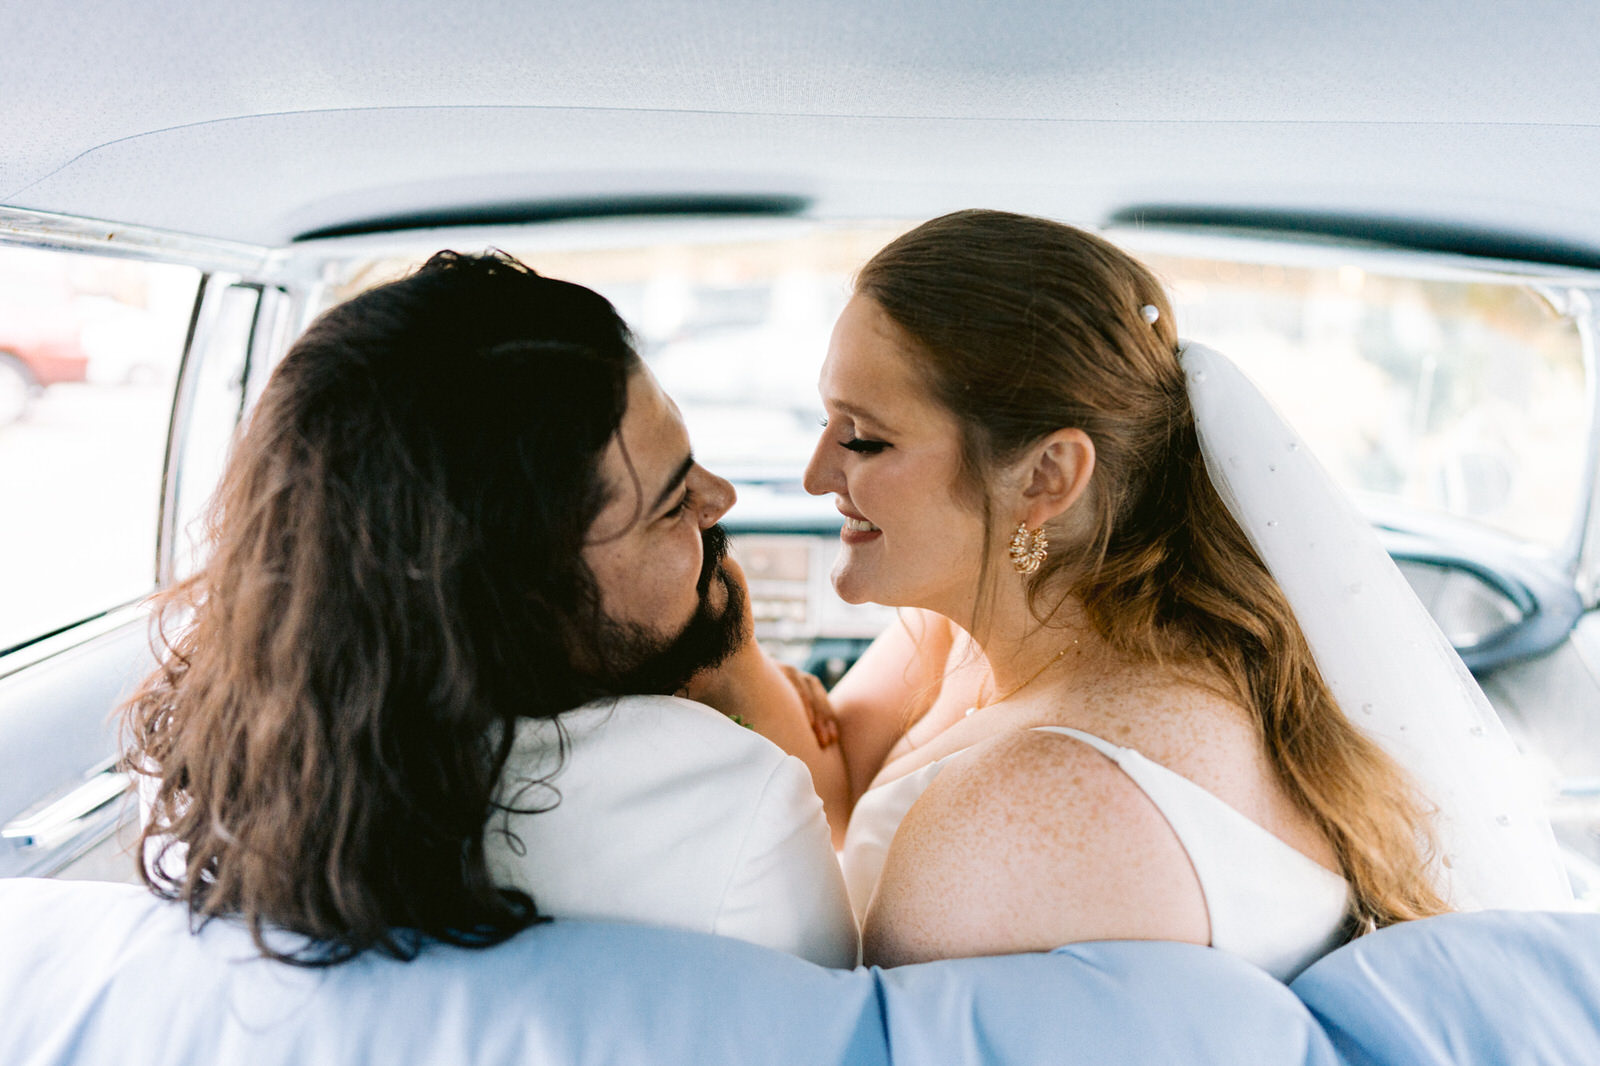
1028 549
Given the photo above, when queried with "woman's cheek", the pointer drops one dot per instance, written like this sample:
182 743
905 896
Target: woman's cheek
872 491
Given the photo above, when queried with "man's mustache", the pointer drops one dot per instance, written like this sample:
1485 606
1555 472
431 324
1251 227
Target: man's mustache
715 539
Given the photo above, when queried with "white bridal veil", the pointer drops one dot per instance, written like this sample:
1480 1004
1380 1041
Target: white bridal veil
1391 669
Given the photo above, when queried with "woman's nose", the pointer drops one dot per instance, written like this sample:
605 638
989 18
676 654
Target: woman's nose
716 496
822 474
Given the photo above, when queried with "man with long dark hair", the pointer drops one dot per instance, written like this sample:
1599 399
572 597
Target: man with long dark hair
423 687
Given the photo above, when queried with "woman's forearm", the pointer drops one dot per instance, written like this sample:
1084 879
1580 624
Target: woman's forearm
898 677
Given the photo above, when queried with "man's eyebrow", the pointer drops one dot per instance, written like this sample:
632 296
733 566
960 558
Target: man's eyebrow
678 478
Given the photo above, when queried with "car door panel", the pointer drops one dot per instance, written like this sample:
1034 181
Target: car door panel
61 711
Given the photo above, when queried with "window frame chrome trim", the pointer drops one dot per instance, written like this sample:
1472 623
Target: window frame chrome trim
1585 546
208 302
40 229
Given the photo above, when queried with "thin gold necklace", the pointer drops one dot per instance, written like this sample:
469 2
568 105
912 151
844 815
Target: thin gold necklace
1031 679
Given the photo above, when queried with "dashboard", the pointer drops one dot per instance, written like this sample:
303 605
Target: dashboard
1495 604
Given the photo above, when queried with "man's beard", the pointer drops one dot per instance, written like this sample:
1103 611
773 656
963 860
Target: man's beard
637 661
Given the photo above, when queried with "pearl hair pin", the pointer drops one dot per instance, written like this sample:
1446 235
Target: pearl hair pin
1150 312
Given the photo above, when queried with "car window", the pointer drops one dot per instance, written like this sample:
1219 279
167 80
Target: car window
89 353
1440 395
1462 398
734 321
215 384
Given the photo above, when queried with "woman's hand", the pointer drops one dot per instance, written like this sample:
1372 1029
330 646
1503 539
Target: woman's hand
744 677
819 709
894 683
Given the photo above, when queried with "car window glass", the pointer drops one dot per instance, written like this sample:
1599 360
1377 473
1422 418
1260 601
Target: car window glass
734 323
215 396
1461 398
89 353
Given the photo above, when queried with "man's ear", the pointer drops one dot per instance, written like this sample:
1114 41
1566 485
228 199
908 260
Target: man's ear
1055 475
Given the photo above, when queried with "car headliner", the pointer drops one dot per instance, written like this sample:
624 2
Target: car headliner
266 122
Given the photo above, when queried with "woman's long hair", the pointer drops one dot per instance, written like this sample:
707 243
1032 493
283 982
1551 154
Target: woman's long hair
393 580
1023 326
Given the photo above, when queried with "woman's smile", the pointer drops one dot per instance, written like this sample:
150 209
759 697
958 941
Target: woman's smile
858 531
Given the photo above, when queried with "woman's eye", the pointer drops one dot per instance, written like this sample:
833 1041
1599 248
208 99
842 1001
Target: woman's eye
860 445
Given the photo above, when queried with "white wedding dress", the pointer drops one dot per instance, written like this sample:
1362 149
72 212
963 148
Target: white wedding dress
1266 902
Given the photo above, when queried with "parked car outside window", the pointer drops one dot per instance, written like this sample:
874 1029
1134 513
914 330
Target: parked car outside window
100 341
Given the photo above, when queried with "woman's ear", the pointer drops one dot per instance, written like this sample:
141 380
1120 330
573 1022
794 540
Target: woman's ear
1056 474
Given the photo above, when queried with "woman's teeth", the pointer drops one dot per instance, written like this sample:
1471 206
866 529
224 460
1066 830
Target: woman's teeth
859 525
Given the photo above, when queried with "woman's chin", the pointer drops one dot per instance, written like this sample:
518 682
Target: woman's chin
848 593
855 587
850 585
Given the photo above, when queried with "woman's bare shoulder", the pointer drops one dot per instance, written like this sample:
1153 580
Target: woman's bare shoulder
1190 728
1206 736
1025 842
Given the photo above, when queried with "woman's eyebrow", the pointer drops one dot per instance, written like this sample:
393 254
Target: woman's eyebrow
859 413
678 478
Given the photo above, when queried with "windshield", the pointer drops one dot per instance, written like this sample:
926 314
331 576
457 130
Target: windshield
1464 399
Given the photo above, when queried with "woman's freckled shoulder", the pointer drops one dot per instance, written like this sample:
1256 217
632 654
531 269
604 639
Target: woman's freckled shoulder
1028 779
1027 841
1190 729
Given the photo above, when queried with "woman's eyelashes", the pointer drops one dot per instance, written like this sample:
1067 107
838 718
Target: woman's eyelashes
860 445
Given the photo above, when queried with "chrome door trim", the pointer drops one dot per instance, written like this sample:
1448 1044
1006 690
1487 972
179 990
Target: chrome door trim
57 821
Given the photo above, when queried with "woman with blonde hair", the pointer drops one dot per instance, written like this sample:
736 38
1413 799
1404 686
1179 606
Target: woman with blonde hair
1126 704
